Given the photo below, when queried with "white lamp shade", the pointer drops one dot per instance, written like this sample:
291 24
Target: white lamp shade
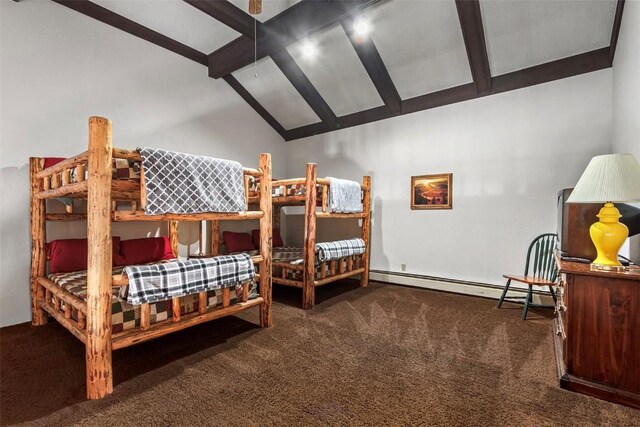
608 178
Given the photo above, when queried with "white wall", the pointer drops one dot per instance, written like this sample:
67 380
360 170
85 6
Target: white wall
58 68
509 155
626 96
626 83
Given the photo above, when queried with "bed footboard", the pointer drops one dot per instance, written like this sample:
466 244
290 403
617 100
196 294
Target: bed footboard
325 272
148 331
69 310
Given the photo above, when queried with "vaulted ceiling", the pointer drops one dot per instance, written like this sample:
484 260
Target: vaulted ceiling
419 54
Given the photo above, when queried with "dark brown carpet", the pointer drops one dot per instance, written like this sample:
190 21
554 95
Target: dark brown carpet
384 355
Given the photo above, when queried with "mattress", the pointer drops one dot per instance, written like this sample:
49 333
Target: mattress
289 254
125 316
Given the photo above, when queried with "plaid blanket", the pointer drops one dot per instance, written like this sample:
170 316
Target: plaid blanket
156 282
339 249
185 183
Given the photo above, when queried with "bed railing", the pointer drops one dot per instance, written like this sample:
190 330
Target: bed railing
325 272
322 192
68 178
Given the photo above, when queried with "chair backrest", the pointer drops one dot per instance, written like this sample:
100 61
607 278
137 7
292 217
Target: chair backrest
540 260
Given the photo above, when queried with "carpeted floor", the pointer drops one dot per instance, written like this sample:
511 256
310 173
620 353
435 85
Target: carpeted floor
384 355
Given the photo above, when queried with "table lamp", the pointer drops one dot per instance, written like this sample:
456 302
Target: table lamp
607 179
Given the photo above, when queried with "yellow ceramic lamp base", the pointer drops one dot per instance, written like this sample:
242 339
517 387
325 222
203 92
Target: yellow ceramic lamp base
608 236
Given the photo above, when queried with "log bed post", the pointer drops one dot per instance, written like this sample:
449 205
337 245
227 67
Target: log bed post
173 236
308 285
215 238
173 239
265 240
38 241
99 279
277 211
366 229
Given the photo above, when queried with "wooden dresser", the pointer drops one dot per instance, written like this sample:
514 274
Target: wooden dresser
597 332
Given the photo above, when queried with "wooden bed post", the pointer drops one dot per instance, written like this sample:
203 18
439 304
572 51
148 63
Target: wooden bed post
173 236
308 285
98 345
277 211
215 238
266 242
38 241
366 229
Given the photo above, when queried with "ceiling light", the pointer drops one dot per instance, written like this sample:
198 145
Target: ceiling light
309 50
361 26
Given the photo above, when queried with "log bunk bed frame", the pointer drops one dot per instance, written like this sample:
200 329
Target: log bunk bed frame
93 323
330 271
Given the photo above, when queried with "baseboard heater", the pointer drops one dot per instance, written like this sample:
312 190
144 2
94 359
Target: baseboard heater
478 289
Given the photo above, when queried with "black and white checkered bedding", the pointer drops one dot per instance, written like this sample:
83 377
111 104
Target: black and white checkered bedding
125 316
185 183
339 249
156 282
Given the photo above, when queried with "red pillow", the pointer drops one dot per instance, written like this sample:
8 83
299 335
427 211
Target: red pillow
148 249
276 239
50 161
237 242
71 255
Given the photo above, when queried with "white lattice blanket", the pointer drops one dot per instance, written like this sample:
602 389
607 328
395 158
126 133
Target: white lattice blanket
185 183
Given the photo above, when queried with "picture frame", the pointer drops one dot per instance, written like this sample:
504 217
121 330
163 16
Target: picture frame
433 191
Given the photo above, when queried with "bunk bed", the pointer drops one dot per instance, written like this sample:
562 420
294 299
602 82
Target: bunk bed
88 314
301 267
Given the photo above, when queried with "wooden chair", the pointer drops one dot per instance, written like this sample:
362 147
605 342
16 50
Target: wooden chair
544 271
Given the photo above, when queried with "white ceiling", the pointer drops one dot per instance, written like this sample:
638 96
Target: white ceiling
521 34
275 93
177 20
337 72
420 42
421 45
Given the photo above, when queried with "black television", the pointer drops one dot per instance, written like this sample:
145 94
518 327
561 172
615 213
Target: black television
574 220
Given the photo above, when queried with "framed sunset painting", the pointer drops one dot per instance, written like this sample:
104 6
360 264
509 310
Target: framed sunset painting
432 191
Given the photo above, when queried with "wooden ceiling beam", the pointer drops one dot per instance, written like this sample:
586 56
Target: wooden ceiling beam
305 88
567 67
228 14
244 93
473 34
555 70
373 64
120 22
293 24
110 18
617 19
221 10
